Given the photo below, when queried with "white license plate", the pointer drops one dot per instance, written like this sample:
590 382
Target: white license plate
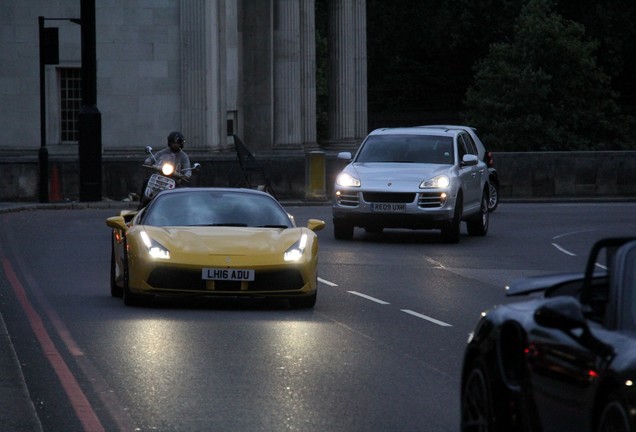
228 274
388 207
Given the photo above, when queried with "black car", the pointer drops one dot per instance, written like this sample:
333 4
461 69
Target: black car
565 359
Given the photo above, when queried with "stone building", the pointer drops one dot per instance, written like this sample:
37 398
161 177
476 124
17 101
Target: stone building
210 68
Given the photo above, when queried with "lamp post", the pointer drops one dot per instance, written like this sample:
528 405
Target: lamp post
49 55
90 119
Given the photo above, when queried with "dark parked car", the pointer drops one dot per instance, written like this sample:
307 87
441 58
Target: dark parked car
564 360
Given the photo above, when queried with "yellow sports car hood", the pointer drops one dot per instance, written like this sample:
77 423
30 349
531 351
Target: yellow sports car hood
196 244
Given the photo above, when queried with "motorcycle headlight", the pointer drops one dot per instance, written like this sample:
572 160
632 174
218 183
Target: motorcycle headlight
347 180
441 181
155 249
296 251
167 169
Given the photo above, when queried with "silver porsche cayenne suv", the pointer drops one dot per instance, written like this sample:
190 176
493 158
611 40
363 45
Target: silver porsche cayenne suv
413 178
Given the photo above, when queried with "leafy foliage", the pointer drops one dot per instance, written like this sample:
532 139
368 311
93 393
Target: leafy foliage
527 77
544 90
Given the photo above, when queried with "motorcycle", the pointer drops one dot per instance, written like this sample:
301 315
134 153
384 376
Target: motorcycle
163 178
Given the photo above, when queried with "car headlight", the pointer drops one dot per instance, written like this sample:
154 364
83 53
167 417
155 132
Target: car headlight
296 251
348 180
441 181
155 249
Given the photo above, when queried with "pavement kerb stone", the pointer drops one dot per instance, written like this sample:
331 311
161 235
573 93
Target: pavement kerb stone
17 412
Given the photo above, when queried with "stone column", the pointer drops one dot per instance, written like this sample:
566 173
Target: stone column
287 74
347 73
308 73
295 75
202 36
256 33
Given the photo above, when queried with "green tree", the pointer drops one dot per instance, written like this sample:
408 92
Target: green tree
543 90
611 23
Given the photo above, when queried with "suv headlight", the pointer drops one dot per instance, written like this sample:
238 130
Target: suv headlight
441 181
347 180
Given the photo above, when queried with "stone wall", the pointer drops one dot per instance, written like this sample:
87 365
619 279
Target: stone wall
567 175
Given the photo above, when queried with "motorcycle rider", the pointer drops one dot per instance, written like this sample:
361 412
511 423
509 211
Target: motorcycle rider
173 153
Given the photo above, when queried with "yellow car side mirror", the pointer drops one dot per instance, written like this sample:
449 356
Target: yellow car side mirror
315 224
117 222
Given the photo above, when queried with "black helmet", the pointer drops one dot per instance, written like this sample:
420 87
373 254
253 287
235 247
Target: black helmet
176 137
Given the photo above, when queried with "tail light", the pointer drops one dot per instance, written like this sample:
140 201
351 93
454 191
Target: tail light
490 162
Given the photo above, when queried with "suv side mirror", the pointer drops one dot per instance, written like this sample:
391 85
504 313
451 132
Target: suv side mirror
469 160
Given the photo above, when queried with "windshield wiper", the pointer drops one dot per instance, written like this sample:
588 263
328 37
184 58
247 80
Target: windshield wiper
272 226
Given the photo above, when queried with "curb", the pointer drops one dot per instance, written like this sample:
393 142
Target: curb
17 412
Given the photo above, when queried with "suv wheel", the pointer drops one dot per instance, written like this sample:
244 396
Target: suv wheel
342 230
451 230
478 225
493 201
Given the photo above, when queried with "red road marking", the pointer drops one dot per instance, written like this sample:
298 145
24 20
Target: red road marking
79 402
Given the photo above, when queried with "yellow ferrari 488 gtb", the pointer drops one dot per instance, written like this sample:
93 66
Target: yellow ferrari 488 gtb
214 242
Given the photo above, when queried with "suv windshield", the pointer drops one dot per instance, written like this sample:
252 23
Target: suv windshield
407 149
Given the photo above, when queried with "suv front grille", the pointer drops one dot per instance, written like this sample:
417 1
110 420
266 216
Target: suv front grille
388 197
348 199
430 200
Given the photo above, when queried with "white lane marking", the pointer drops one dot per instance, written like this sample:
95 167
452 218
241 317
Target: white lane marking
368 297
382 302
571 233
563 250
427 318
326 282
436 264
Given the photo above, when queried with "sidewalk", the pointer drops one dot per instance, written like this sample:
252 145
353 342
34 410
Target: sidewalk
17 412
